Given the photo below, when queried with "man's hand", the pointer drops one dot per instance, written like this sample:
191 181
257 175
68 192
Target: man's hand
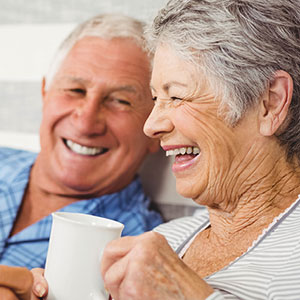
15 283
40 285
145 267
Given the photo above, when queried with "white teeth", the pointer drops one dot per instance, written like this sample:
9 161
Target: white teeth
83 150
169 152
183 150
196 150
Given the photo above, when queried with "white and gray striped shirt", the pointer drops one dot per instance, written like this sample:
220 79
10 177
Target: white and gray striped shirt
269 269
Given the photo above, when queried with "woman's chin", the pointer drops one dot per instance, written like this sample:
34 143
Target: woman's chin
185 189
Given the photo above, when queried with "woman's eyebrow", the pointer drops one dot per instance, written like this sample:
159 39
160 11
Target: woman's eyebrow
168 85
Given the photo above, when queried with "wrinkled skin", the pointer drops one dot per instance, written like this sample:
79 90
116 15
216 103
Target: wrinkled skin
239 187
128 263
233 176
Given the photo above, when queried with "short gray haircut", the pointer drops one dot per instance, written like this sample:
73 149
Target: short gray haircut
239 44
105 26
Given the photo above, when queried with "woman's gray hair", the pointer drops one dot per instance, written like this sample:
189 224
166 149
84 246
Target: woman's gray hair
239 44
105 26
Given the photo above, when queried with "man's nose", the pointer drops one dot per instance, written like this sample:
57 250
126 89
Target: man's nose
158 122
89 117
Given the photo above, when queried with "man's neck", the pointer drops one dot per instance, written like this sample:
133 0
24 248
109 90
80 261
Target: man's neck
37 204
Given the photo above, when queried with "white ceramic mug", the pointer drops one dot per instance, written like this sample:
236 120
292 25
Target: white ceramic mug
76 245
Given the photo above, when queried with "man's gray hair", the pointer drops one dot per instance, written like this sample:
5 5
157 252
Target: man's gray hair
105 26
239 44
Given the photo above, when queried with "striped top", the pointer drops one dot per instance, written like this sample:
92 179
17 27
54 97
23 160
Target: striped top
269 269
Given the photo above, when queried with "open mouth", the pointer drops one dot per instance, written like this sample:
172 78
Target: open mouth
84 150
193 151
185 157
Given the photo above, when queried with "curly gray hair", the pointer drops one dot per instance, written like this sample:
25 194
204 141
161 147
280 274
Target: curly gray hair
106 26
239 44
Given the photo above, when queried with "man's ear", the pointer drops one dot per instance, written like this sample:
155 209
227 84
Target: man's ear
275 103
43 89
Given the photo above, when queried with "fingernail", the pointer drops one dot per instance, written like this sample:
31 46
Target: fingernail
40 290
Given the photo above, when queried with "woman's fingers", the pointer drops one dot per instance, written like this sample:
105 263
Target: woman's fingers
130 266
115 250
114 277
40 285
18 280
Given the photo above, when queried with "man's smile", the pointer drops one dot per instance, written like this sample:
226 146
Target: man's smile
84 150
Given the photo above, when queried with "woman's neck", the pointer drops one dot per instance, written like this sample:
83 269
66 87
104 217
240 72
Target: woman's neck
262 191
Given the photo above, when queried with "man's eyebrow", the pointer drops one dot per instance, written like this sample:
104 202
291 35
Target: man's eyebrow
126 88
75 79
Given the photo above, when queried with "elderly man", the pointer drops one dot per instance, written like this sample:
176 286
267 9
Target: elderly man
96 99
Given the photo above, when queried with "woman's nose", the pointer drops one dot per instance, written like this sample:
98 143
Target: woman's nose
89 118
158 122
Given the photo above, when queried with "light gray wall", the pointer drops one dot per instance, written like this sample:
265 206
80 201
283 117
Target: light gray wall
49 11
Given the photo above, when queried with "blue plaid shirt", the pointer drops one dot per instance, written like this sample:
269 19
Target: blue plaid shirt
28 248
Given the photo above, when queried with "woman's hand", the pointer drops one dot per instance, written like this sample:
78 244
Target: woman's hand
15 283
40 285
145 267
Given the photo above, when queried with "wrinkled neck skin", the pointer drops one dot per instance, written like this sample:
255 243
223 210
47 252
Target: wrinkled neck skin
258 187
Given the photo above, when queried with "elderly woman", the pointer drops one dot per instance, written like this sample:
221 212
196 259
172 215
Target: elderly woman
226 87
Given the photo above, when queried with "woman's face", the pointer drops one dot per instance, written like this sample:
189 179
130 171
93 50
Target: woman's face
209 153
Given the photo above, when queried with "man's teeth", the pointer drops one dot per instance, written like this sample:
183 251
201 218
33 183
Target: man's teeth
183 150
83 149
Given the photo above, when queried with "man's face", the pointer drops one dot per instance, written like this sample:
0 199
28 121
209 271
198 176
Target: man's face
92 136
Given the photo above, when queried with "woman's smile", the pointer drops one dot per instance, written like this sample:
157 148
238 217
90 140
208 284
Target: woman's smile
185 157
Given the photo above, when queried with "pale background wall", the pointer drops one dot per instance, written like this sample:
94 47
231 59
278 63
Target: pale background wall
30 31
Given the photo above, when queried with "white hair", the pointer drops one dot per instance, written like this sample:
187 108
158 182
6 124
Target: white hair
106 26
240 44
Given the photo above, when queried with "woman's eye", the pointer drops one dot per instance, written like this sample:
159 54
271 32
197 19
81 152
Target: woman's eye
176 98
154 98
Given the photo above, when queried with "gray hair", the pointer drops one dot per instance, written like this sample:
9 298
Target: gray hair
239 44
106 26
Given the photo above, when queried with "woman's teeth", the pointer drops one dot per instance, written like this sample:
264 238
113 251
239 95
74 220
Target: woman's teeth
83 150
183 150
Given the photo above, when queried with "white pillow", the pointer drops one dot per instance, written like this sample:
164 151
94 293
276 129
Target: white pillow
20 140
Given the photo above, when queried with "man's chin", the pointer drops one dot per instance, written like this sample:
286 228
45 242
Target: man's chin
77 187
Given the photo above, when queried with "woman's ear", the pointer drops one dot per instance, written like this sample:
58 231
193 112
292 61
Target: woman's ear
275 103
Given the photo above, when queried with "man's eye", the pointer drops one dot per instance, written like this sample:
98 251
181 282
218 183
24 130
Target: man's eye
121 101
154 98
78 91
